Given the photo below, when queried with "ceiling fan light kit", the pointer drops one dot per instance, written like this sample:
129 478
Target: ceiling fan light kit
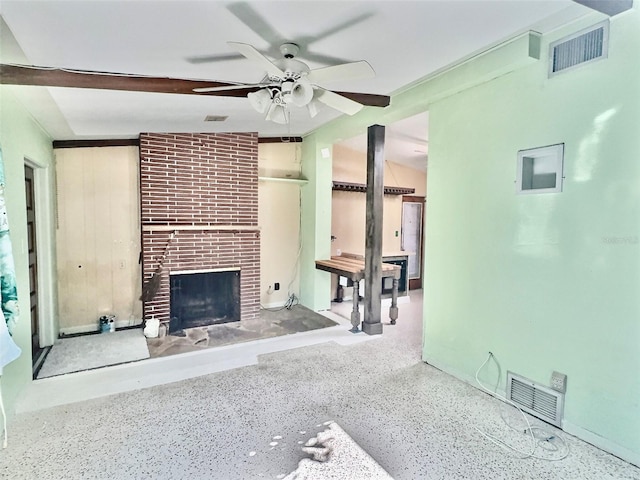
278 114
289 82
260 100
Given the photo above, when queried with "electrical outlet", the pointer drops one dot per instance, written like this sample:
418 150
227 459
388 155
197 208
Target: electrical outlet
559 382
276 286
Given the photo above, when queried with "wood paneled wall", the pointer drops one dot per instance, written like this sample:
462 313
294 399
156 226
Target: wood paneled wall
98 236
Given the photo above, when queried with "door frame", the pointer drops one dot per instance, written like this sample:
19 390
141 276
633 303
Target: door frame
416 283
43 182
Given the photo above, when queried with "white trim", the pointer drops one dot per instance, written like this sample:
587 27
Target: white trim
45 252
557 152
93 327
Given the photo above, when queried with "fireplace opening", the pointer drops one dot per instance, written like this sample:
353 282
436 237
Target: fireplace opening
199 299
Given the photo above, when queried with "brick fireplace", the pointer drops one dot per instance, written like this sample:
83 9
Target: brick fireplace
204 189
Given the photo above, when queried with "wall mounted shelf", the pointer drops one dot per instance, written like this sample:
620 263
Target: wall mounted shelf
299 181
361 187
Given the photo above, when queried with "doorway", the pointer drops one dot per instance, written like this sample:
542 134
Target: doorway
413 237
37 352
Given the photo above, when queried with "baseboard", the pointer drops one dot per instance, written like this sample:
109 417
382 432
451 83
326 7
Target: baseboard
92 328
579 432
267 306
602 443
470 379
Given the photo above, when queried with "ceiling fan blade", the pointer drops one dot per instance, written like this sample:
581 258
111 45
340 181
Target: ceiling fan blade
367 99
252 54
57 77
337 101
338 28
244 12
323 59
345 71
214 58
226 88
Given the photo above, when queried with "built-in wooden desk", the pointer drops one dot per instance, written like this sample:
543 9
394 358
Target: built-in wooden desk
353 268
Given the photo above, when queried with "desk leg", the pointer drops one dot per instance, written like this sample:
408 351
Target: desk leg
355 314
393 309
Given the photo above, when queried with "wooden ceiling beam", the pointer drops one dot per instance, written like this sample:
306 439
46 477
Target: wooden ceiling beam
55 77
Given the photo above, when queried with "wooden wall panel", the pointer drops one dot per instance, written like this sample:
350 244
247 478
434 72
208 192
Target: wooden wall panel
98 236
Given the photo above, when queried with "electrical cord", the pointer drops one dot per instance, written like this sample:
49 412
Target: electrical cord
292 299
291 302
296 265
544 440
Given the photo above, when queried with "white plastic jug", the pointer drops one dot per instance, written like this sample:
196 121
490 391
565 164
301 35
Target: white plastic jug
151 328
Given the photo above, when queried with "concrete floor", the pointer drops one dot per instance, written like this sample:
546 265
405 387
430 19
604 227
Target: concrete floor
249 422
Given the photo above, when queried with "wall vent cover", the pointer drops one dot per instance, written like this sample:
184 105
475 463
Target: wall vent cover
538 400
585 46
215 118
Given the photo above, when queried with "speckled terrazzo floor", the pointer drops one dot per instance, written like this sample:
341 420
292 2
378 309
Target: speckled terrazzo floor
250 423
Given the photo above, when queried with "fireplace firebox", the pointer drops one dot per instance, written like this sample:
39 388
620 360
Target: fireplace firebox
200 299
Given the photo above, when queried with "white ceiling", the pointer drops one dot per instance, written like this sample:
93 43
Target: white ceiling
404 41
406 142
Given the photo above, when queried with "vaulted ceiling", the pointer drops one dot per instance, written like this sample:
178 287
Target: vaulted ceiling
403 41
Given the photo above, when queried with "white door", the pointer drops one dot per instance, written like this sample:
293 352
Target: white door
412 238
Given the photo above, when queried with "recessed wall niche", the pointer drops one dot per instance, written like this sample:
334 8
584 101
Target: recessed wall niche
539 170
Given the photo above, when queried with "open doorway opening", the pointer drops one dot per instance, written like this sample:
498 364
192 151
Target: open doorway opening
405 172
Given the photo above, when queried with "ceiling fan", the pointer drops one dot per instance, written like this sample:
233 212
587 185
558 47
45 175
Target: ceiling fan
290 82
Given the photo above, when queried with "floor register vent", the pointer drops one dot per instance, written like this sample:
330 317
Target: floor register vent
538 400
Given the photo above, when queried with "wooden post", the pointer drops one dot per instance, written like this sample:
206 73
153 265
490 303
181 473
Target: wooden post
372 324
355 314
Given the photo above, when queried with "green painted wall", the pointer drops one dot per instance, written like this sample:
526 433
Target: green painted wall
21 138
316 223
545 282
551 281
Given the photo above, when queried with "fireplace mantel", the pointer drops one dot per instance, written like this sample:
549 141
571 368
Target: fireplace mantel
207 228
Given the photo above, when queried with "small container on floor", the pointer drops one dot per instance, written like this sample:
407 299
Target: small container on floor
151 328
104 324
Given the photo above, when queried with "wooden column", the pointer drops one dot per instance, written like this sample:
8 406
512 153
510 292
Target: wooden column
372 324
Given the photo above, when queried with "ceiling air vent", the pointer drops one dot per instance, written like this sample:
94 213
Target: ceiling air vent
215 118
538 400
585 46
